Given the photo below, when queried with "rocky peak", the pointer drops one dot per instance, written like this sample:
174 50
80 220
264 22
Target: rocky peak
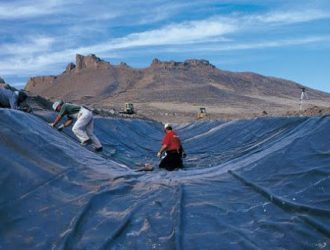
70 67
166 64
89 62
124 65
173 64
156 62
195 62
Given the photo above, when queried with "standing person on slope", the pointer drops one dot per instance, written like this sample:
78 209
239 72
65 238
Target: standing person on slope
83 127
171 144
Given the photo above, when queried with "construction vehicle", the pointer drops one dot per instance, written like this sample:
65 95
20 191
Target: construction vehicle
202 113
129 108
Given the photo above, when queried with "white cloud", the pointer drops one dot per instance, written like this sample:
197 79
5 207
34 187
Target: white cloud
182 33
289 17
260 44
203 31
86 10
36 44
178 33
20 9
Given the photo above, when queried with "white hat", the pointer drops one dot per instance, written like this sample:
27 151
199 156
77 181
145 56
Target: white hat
167 125
56 104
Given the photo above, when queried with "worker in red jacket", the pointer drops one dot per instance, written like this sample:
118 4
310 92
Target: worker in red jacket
171 144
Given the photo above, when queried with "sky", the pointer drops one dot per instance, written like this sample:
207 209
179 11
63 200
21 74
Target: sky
288 39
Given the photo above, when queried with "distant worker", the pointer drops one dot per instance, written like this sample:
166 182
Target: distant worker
83 127
171 144
12 99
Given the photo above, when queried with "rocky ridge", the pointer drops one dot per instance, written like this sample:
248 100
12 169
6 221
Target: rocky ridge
170 90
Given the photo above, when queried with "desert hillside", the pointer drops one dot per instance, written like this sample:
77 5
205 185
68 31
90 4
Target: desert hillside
174 90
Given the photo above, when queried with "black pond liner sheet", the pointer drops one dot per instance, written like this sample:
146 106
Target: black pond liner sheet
248 184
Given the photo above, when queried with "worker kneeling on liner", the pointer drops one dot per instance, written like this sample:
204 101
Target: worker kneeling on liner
171 144
83 127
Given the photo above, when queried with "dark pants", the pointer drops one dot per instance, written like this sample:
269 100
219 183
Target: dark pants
171 161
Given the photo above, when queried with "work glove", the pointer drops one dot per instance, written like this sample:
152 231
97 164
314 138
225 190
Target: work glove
184 155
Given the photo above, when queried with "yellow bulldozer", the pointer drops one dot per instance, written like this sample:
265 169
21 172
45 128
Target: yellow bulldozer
202 113
129 108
